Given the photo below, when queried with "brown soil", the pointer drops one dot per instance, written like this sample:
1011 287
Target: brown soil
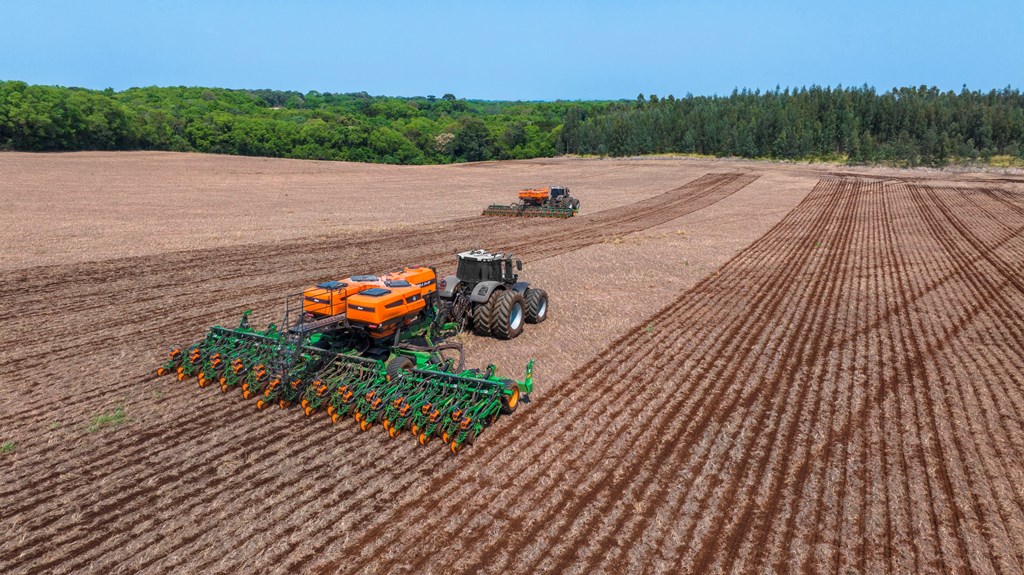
842 394
91 206
96 205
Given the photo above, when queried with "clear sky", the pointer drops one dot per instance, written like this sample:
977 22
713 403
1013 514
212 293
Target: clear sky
514 50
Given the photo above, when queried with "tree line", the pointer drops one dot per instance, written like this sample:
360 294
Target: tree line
908 126
323 126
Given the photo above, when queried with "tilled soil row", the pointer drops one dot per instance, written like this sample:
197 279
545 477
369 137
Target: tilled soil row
842 395
202 451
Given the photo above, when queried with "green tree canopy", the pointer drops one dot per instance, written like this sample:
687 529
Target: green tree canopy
909 126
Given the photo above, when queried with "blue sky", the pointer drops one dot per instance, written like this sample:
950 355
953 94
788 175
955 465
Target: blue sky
513 50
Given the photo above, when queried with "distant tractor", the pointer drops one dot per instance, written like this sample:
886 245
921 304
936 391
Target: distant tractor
553 202
486 293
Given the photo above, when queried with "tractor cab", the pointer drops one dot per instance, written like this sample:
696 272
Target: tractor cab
480 265
558 191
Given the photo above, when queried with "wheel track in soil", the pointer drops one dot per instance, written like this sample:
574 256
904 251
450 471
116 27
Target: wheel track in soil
925 454
638 491
703 191
641 520
887 315
842 431
771 431
940 216
827 312
723 538
984 441
941 506
745 400
757 543
897 538
911 474
956 541
845 419
948 447
932 351
1008 315
684 417
965 401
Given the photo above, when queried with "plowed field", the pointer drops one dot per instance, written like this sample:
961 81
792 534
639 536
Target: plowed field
844 394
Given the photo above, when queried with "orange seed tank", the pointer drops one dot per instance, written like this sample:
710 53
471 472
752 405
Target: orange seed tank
381 303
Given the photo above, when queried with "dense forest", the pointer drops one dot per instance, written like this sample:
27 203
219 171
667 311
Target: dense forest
905 126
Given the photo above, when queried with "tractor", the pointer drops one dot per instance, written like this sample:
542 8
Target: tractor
552 202
487 293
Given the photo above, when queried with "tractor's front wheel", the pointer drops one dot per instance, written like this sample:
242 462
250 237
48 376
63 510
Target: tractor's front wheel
508 315
536 305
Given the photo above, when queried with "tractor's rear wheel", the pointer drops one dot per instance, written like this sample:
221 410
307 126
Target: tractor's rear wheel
483 314
509 315
536 305
398 365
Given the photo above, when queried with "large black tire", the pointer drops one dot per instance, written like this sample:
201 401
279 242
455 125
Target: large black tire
510 401
398 364
508 315
536 305
483 314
